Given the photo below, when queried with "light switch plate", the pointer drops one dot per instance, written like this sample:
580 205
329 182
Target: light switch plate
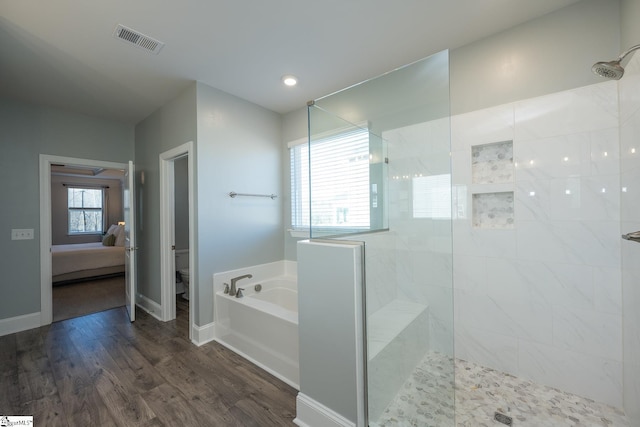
22 234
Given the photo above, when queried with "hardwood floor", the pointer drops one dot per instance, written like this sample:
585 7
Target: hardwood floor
102 370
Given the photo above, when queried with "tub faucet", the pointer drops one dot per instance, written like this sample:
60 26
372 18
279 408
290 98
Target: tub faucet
233 291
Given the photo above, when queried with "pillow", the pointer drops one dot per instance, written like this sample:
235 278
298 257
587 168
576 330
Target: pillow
119 233
108 240
112 229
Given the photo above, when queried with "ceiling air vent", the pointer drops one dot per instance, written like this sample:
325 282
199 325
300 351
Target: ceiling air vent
138 39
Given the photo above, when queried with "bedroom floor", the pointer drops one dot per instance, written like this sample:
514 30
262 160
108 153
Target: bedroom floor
92 296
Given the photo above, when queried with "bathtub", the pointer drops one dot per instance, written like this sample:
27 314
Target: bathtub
262 326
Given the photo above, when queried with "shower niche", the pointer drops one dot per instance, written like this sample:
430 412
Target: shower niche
492 177
492 163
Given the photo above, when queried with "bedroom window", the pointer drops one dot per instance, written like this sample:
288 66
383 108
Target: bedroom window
340 168
85 206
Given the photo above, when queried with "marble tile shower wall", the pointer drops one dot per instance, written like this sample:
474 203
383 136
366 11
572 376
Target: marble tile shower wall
629 89
422 251
542 300
413 260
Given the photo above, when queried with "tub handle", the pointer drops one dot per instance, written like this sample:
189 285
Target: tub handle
226 288
239 293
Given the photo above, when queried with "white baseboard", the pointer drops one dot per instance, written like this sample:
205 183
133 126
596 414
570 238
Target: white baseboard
201 335
19 323
310 413
150 306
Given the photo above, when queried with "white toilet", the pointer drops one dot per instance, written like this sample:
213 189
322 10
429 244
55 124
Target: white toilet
182 267
184 273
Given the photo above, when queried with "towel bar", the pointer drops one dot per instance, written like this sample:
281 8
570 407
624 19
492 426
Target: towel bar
233 194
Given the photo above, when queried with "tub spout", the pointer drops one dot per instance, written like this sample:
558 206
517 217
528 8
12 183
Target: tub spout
233 290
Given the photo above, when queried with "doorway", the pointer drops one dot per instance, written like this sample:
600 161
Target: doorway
87 258
177 233
46 271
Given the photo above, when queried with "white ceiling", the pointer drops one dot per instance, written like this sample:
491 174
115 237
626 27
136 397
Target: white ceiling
62 53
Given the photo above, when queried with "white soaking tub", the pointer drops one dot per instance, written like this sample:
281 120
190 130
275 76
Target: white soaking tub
262 326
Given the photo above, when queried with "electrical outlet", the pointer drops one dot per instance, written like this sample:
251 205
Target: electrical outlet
22 234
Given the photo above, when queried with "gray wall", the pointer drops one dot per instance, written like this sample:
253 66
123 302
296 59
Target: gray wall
168 127
330 328
630 30
181 168
239 149
59 216
552 53
26 131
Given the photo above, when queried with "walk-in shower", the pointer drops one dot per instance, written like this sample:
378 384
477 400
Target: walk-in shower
613 69
497 230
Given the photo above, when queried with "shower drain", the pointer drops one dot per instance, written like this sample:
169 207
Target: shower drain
502 418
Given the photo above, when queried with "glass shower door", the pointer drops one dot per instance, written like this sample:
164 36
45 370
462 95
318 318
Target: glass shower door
386 143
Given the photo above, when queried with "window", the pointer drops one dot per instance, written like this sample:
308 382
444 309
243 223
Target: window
340 183
85 210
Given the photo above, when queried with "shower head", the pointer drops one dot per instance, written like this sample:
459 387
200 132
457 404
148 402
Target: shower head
613 69
608 70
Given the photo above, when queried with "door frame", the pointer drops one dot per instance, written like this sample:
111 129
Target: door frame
130 245
167 233
46 281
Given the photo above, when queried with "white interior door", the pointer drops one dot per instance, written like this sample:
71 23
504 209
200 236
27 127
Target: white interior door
130 241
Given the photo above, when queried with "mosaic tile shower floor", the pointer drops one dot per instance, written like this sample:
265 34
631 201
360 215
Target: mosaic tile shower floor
425 400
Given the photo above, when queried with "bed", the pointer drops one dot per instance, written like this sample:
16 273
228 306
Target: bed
86 260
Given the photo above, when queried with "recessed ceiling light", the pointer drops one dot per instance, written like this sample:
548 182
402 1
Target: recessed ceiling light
289 80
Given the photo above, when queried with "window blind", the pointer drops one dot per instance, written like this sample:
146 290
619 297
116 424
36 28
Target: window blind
337 196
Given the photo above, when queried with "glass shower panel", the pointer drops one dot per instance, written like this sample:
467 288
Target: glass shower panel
408 259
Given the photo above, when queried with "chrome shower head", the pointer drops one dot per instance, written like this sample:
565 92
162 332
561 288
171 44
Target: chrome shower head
608 70
613 69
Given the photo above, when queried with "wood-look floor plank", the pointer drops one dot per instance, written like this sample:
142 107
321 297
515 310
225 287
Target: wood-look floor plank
68 369
88 409
173 408
202 396
256 409
115 387
47 411
143 375
38 383
10 394
152 348
35 377
102 370
239 383
155 422
8 354
30 339
270 395
125 408
217 375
